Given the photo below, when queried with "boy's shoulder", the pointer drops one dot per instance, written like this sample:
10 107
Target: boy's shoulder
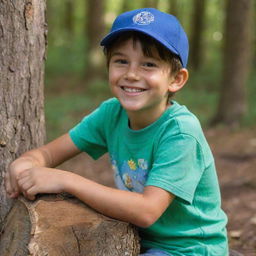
110 108
183 120
111 103
184 124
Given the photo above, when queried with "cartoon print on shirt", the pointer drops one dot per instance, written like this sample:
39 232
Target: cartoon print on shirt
127 181
130 174
132 165
143 164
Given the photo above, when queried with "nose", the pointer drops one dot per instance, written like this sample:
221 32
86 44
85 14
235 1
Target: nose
132 73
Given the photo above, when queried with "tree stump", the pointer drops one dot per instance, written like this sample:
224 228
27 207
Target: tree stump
59 226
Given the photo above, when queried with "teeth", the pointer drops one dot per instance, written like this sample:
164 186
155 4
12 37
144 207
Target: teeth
132 89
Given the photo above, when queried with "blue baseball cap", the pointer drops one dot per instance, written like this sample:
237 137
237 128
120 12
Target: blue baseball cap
163 27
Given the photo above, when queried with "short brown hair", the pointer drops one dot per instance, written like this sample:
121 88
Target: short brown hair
148 45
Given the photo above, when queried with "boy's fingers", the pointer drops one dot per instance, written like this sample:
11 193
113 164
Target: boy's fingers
32 198
14 186
25 184
14 195
23 174
14 182
8 187
11 186
31 193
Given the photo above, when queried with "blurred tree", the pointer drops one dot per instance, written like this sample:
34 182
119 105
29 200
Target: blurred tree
196 39
236 63
173 7
94 31
131 5
22 55
69 16
126 6
50 11
254 34
150 3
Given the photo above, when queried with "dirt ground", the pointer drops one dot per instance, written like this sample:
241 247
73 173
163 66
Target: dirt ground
235 156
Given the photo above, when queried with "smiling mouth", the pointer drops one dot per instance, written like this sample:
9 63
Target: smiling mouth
132 90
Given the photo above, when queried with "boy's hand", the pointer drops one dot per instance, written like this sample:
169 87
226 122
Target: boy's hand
16 168
41 180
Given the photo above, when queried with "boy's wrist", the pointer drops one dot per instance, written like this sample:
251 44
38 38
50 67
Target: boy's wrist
27 158
68 182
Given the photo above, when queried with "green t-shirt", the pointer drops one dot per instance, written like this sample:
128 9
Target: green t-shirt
173 154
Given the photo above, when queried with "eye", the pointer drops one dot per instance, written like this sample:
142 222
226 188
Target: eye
149 64
120 61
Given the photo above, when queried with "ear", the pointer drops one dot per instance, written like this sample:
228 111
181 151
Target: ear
179 80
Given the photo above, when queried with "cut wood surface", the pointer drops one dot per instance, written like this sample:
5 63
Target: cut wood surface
59 226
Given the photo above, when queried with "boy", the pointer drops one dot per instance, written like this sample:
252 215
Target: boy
164 169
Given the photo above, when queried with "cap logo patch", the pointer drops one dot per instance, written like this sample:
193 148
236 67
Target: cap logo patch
143 18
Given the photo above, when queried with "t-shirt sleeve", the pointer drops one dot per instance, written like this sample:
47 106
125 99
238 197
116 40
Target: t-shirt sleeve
178 166
89 134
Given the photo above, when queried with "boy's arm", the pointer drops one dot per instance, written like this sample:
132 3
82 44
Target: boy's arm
140 209
49 155
35 177
54 153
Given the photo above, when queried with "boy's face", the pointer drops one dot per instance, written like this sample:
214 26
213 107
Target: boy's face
140 83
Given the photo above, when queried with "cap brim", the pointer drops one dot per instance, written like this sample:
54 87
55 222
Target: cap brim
112 35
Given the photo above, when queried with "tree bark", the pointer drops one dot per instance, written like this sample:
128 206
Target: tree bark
198 20
54 226
236 63
22 54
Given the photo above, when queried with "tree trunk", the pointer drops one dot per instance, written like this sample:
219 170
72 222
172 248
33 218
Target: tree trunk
198 20
254 36
54 226
173 7
22 53
236 63
69 17
126 6
94 31
150 3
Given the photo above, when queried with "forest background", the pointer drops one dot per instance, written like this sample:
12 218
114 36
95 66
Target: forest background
76 80
221 89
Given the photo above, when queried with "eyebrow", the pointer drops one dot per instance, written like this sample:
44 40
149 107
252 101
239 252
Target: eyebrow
123 55
117 54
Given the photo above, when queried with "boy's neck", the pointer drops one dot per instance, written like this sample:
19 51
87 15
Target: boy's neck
139 120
